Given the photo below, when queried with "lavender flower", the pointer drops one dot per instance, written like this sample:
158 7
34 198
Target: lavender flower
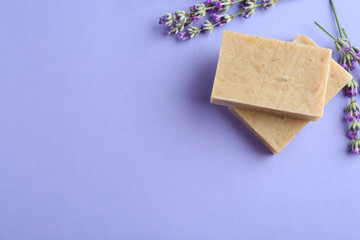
349 116
223 5
207 27
209 2
352 92
352 135
356 149
180 17
356 51
183 36
347 49
269 3
344 65
176 22
357 115
197 12
352 107
355 146
211 6
217 18
173 30
189 33
347 60
222 19
167 19
352 88
354 126
248 8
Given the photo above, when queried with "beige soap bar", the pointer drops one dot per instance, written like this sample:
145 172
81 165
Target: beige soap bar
276 132
272 76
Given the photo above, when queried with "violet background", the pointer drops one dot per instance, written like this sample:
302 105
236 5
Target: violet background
106 131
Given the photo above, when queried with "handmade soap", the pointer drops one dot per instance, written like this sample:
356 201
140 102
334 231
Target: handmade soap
272 76
276 132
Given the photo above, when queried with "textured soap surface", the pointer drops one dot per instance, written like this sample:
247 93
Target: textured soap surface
272 76
276 132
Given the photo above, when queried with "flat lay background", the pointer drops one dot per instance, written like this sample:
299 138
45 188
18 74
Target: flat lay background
106 131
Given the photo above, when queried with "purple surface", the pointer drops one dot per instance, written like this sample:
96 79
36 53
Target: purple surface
107 131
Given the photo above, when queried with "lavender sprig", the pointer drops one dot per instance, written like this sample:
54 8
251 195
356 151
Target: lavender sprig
269 3
221 20
350 55
248 8
189 33
178 21
207 27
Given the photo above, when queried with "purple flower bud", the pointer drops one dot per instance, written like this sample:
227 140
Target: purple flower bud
217 18
209 3
196 18
220 20
248 8
183 36
344 66
197 11
355 150
352 89
348 92
269 3
166 20
349 116
355 146
352 67
189 33
207 27
357 115
351 135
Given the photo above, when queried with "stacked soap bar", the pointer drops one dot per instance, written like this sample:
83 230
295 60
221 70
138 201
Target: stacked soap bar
275 87
272 76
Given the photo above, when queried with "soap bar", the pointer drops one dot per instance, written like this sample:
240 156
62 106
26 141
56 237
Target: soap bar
276 132
272 76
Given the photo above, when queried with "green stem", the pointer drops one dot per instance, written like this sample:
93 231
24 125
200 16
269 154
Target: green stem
325 31
354 55
336 17
210 8
257 5
239 13
347 38
352 52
